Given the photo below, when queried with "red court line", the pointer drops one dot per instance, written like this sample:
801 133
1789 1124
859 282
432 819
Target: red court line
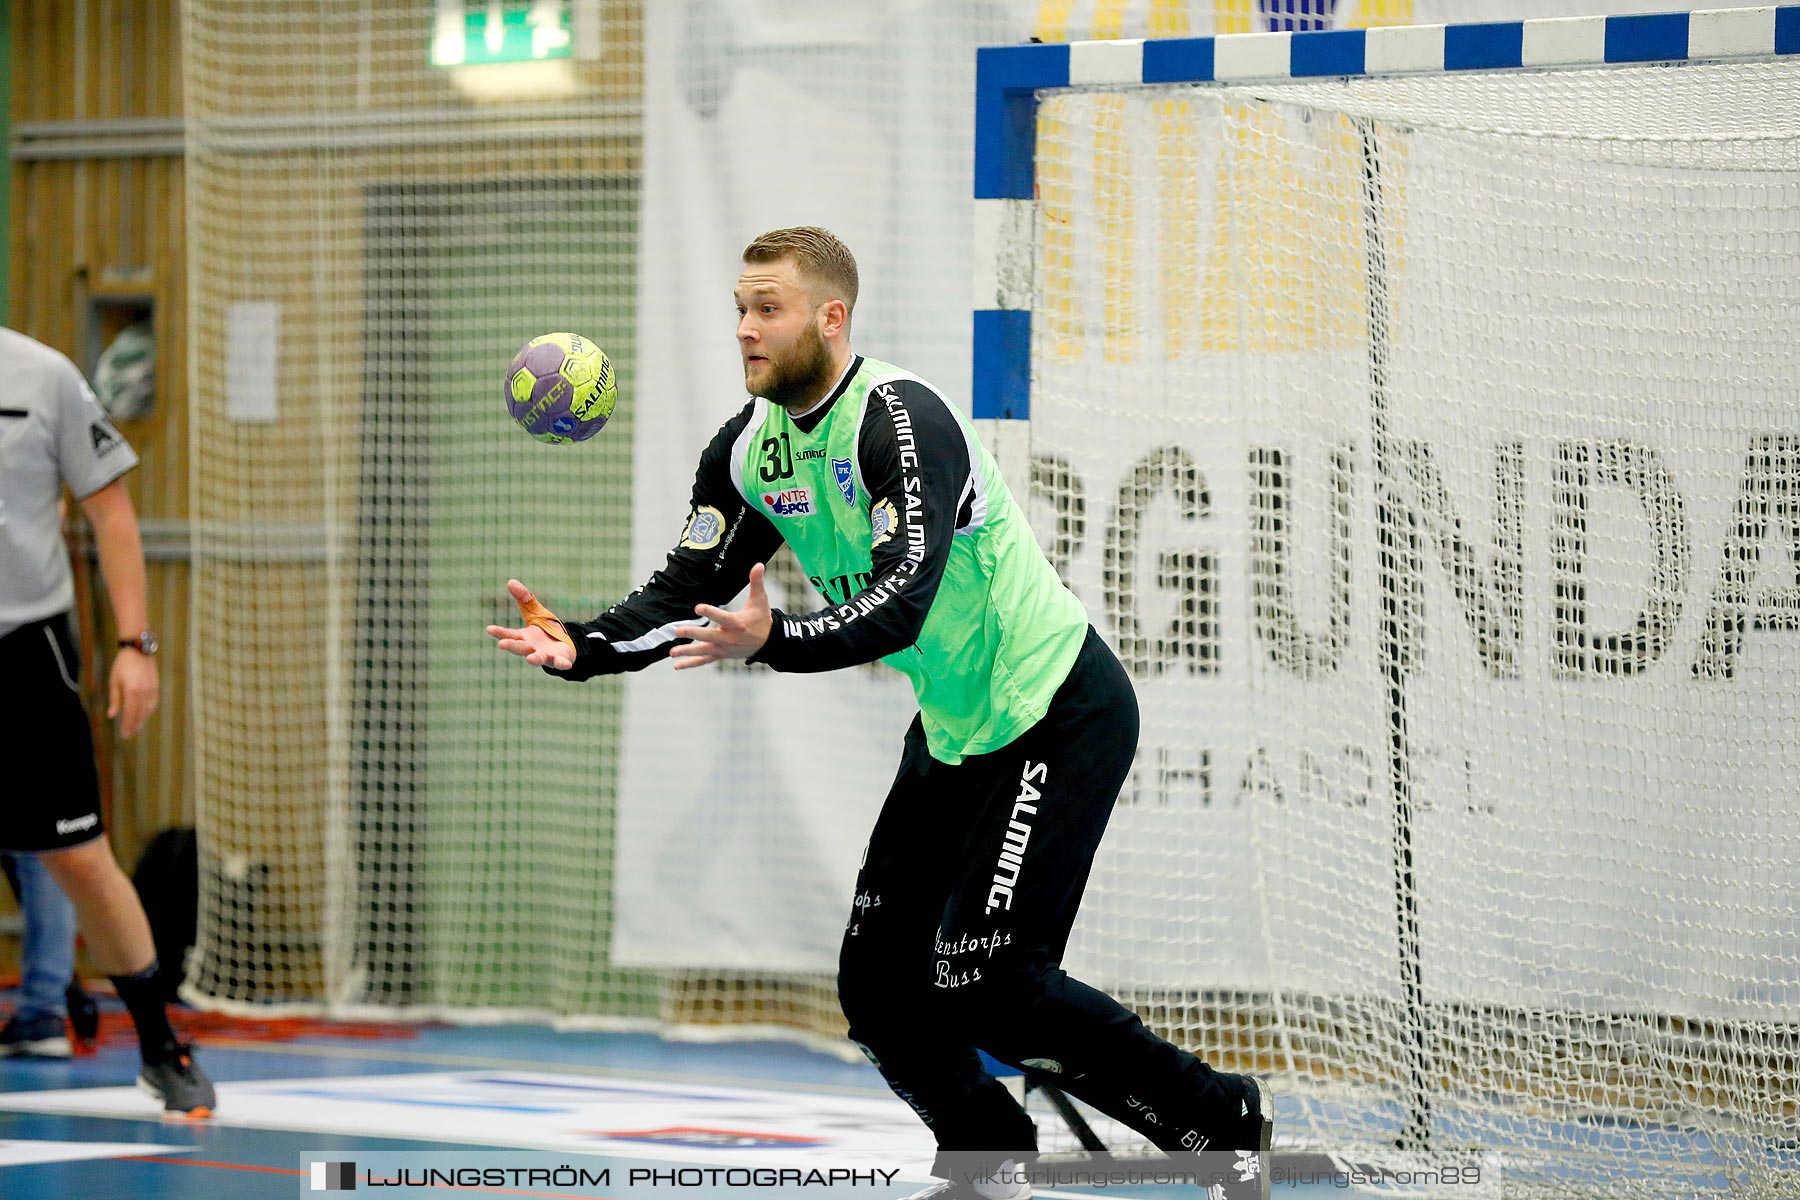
201 1162
448 1187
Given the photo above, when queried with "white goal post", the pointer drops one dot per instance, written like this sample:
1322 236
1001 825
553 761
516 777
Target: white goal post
1417 411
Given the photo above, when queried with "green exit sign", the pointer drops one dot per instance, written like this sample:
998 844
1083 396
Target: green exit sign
477 32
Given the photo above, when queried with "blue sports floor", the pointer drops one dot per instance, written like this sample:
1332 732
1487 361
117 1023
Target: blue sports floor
406 1098
615 1101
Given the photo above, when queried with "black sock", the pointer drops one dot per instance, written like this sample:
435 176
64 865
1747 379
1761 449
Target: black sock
143 998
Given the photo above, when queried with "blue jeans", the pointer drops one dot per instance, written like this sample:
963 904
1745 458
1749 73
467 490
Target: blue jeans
47 957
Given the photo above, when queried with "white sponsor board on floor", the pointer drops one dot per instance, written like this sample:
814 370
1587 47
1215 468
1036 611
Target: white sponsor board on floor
617 1117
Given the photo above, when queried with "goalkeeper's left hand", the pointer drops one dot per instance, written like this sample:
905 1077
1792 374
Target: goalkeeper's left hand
732 634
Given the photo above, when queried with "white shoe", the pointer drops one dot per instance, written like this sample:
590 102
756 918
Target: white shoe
955 1189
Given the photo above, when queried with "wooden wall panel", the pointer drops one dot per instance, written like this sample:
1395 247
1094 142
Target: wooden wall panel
98 227
96 59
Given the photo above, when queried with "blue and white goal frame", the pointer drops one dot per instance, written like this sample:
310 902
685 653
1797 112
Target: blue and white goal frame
1008 78
1008 82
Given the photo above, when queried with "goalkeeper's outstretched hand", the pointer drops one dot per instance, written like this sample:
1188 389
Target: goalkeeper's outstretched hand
541 641
732 634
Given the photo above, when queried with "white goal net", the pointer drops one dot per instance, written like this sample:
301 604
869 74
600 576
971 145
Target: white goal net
1430 450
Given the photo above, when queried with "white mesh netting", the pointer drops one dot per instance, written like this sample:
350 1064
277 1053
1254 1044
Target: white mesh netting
1428 448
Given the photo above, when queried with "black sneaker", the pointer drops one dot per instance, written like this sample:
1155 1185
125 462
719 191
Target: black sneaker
1258 1115
1251 1135
180 1084
35 1037
84 1017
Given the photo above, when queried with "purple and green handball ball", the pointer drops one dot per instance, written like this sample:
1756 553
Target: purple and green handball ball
560 388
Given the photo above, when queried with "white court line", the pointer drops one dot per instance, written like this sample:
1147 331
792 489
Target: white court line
23 1152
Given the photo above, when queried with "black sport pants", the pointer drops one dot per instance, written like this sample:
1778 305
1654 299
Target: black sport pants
968 890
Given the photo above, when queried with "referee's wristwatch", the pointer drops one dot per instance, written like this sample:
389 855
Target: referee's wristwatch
143 643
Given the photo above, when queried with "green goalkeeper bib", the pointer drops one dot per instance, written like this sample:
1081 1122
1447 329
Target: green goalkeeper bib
1002 631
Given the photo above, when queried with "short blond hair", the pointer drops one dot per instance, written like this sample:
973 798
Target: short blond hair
824 261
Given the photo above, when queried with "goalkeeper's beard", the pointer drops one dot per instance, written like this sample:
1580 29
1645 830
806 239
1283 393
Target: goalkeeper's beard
800 377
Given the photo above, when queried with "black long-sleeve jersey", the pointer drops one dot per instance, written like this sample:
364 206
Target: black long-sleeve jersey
911 452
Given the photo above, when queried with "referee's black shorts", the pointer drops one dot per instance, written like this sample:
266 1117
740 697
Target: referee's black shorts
51 798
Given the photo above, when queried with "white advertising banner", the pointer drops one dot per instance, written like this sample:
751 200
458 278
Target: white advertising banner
1583 665
747 796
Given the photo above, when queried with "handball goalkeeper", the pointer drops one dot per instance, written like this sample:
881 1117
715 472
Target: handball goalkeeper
1026 729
